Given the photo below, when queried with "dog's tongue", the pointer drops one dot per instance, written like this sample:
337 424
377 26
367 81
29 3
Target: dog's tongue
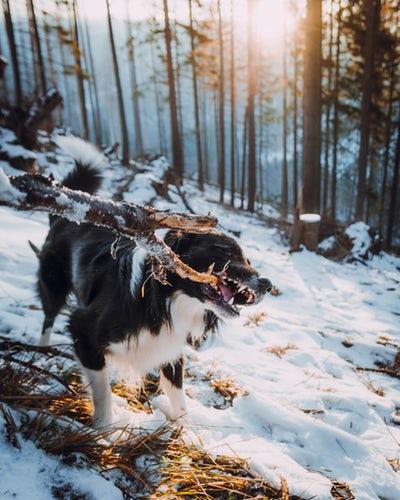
225 292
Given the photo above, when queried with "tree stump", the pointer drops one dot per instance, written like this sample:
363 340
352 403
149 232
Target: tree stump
310 236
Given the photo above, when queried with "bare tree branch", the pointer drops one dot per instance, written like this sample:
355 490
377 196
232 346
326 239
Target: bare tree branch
36 192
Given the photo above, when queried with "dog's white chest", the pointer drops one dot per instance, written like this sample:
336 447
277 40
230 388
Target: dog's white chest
140 354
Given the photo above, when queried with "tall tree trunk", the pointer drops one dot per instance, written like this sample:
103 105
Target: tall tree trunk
372 11
221 162
3 83
200 167
122 117
371 182
388 133
250 104
295 116
38 48
260 146
13 51
179 88
233 110
205 138
47 28
328 117
67 93
177 153
336 114
93 81
134 87
160 121
216 128
311 158
244 157
79 74
394 191
49 49
284 186
35 80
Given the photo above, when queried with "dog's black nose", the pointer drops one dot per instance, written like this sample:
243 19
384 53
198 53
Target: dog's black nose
264 285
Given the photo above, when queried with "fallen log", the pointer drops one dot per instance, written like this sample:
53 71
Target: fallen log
36 192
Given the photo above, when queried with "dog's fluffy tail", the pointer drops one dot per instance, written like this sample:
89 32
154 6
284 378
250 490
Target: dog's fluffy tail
86 176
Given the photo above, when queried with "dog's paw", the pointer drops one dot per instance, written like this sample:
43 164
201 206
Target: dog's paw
178 415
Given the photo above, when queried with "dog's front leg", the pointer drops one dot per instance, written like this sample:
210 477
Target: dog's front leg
101 393
171 381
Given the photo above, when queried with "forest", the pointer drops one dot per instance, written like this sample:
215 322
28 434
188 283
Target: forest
288 103
199 249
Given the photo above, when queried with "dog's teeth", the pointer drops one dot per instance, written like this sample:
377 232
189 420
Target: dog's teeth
242 288
231 301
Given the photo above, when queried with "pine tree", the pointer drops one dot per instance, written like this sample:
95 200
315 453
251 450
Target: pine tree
177 152
233 106
93 82
13 51
311 161
336 106
328 116
394 191
393 61
251 90
79 72
124 129
295 107
37 47
200 166
134 86
284 188
221 105
157 93
372 9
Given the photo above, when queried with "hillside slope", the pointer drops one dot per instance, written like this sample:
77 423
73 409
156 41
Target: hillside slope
287 385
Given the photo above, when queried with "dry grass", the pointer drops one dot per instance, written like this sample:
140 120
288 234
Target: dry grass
280 350
377 390
56 416
256 319
138 399
387 341
394 464
190 472
275 291
228 389
341 490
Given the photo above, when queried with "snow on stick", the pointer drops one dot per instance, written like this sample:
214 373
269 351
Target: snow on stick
36 192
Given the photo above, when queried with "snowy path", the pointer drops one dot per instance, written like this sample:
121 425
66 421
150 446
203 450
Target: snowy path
306 414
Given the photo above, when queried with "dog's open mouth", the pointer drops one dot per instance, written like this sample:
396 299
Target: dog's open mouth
229 294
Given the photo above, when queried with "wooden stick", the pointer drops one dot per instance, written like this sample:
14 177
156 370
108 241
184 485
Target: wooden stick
36 192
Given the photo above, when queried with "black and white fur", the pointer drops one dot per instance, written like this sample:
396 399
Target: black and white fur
123 314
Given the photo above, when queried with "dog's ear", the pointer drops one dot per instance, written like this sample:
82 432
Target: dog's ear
35 249
177 241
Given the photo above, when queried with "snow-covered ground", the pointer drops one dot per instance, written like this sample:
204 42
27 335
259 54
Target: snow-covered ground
305 410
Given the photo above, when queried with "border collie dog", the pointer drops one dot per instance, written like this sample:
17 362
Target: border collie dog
123 313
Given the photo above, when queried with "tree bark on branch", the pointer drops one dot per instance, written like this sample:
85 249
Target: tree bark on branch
36 192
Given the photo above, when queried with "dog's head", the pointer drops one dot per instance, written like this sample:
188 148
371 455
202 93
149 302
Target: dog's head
238 282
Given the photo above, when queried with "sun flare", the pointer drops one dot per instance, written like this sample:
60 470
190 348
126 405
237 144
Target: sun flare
271 21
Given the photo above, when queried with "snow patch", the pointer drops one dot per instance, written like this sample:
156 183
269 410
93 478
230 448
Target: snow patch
8 193
310 218
359 234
